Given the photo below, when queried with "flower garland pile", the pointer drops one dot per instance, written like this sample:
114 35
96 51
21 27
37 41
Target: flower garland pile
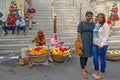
38 50
61 51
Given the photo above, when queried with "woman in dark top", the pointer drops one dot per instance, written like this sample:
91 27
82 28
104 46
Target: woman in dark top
87 41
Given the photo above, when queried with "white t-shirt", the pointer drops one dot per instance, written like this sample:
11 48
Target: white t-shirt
21 23
101 34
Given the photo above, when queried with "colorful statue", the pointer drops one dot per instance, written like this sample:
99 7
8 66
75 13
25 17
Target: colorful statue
114 12
14 9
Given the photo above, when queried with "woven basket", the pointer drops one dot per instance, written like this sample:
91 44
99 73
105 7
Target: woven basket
115 58
59 59
39 58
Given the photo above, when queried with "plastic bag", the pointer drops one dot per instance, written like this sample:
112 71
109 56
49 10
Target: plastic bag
23 53
32 45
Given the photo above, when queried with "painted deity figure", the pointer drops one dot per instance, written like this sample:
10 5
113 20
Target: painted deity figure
114 12
14 9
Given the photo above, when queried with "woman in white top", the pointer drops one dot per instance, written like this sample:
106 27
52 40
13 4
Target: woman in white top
100 45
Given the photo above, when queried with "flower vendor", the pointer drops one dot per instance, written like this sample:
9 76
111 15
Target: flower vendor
54 41
40 39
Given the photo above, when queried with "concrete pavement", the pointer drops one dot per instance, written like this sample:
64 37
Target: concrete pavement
70 70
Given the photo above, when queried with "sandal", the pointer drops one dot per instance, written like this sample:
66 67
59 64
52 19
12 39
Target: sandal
88 71
84 75
99 76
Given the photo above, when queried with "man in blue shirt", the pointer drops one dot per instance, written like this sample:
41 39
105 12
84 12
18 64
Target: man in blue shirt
20 24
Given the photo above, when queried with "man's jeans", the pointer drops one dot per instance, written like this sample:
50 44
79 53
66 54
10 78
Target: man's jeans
5 28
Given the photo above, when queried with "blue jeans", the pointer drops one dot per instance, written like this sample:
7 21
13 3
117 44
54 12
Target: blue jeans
97 52
5 28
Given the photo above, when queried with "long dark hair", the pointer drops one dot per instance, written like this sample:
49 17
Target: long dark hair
104 20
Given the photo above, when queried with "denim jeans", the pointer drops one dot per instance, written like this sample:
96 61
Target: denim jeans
99 53
5 28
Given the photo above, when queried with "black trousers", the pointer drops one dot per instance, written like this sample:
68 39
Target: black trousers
83 61
21 28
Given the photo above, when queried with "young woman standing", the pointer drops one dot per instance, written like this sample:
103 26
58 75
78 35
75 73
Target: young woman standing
100 45
85 37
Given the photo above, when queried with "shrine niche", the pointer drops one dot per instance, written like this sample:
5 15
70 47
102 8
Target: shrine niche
15 7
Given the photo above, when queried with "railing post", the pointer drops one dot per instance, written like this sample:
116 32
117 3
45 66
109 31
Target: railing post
108 10
80 11
55 24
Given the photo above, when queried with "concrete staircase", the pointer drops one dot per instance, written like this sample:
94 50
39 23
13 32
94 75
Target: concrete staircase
114 41
67 21
13 43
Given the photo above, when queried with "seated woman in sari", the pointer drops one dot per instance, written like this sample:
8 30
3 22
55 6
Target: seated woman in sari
40 39
54 41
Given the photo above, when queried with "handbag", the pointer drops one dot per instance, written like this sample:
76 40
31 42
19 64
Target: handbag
78 50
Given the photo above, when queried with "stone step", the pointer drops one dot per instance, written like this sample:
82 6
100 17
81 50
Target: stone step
28 40
64 7
59 28
31 35
116 33
43 9
43 20
46 31
59 18
19 46
114 46
115 37
9 51
42 12
58 14
48 21
42 15
41 3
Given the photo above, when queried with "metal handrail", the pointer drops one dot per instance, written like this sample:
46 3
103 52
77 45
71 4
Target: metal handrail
54 16
29 2
81 8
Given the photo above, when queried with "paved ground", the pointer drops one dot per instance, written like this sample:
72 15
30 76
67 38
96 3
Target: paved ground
10 70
